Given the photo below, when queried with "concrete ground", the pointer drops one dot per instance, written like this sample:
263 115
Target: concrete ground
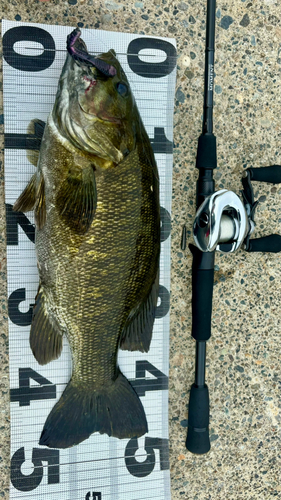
243 368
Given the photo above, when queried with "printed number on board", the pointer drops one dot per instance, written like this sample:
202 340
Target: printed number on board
28 482
145 467
22 62
93 495
16 316
46 58
26 393
152 69
29 34
16 220
142 385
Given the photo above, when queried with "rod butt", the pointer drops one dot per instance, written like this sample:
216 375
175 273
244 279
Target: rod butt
198 440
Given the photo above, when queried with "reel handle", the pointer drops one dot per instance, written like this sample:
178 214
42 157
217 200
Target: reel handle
266 174
271 243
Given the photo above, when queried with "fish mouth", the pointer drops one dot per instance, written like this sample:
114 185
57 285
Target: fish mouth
78 51
103 116
92 82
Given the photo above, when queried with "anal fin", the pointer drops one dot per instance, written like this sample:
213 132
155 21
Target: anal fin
45 337
137 333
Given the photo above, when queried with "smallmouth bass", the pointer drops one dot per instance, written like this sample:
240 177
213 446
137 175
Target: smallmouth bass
95 196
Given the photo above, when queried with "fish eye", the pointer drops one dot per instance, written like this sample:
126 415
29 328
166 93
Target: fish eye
122 89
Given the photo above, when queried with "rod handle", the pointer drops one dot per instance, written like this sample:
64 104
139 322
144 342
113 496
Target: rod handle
202 293
266 174
271 243
206 152
198 440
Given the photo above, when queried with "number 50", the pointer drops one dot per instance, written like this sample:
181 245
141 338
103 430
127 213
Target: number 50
28 483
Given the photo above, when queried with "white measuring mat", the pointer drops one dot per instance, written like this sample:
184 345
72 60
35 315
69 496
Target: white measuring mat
102 467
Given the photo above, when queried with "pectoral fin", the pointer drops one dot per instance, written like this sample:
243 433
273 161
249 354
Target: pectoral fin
40 207
45 338
33 198
35 132
137 333
77 199
26 201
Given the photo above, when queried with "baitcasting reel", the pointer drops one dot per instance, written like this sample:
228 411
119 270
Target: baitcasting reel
223 222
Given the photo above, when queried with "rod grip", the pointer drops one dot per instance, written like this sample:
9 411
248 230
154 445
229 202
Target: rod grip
266 174
202 293
206 152
270 243
198 440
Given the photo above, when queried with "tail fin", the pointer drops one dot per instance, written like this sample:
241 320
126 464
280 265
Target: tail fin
114 409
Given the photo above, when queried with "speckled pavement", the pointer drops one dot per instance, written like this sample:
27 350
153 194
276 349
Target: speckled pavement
243 367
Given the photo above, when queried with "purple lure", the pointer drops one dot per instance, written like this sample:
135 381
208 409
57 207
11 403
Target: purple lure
84 57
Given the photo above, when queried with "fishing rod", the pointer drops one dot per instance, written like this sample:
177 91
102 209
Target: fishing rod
223 222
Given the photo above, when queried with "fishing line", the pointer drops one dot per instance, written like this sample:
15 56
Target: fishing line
152 386
63 474
90 52
43 418
94 461
98 460
164 466
96 470
139 55
90 39
43 407
27 349
57 70
34 110
54 93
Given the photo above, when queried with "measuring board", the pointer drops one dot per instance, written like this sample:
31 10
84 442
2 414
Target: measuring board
102 467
